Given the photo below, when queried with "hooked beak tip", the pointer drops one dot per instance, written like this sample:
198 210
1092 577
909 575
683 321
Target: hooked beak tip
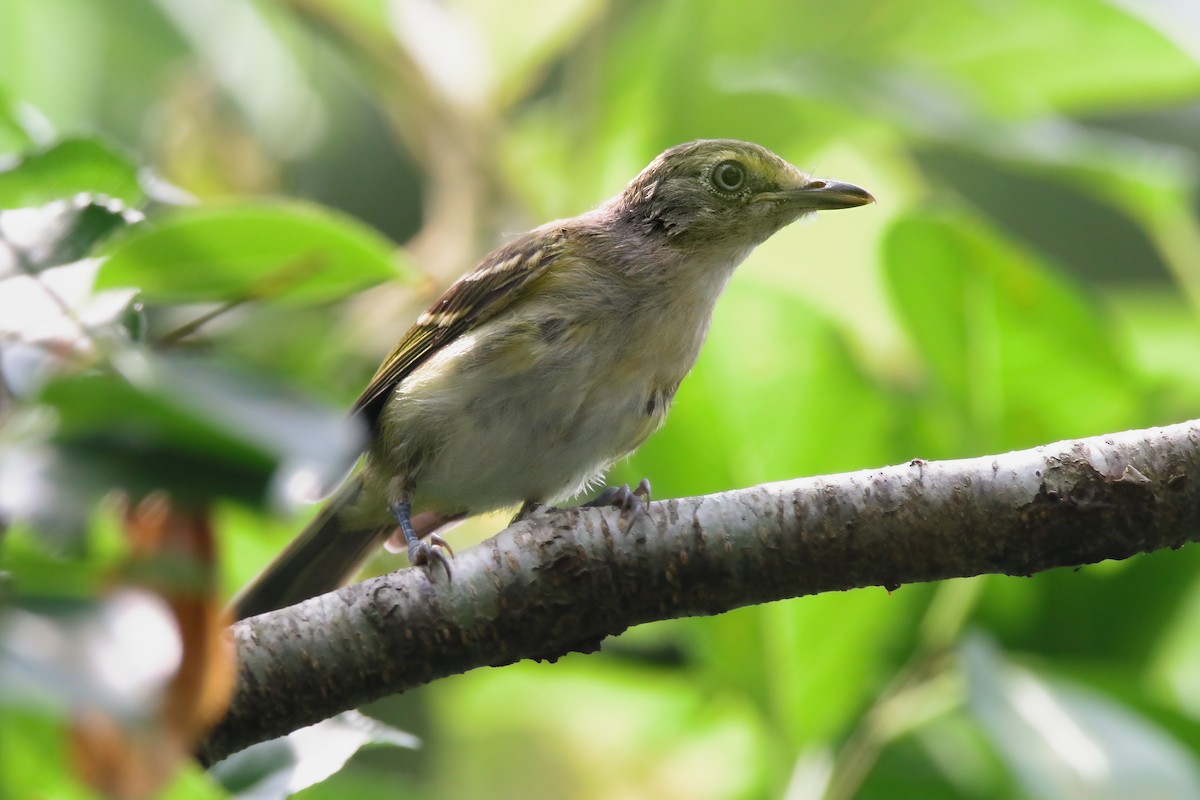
824 195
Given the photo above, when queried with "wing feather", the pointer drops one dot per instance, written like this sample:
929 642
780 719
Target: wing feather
470 301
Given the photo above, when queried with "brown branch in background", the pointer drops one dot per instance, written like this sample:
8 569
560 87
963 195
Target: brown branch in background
171 557
448 143
564 580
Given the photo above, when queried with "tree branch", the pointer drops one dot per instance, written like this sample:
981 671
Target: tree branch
562 581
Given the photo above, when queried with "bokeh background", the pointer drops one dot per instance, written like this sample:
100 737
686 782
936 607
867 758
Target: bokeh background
1031 272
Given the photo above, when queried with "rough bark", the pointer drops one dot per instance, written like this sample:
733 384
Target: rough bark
562 581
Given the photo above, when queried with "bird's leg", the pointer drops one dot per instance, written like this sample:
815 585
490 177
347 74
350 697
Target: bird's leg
527 509
628 500
419 552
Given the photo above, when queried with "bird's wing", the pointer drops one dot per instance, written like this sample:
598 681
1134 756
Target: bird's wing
469 302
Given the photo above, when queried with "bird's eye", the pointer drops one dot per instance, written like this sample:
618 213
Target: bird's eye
729 176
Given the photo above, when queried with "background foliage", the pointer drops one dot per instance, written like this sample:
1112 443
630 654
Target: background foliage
1030 273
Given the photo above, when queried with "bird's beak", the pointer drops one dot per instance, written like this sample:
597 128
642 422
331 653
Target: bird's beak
822 195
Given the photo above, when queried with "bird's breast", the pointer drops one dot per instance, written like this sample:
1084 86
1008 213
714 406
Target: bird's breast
536 404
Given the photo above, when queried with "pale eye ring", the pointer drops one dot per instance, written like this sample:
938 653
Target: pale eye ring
729 176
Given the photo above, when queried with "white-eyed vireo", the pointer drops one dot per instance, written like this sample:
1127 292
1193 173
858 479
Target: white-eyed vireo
553 358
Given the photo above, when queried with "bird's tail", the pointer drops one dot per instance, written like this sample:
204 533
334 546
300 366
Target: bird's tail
324 557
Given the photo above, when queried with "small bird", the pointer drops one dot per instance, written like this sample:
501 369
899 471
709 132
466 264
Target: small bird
552 359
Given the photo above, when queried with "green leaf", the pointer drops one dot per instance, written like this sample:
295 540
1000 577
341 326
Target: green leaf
1061 740
183 425
1029 59
946 758
33 761
1022 354
60 232
278 768
811 692
35 568
288 251
71 167
768 400
13 136
522 38
581 715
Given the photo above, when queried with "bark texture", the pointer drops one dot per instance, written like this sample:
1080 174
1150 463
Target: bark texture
562 581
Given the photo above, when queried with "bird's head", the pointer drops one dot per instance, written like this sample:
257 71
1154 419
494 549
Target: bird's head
725 193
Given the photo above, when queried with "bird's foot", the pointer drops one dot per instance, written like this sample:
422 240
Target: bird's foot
632 502
435 551
422 553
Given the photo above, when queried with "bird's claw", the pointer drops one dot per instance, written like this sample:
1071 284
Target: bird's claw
435 539
426 554
631 502
421 553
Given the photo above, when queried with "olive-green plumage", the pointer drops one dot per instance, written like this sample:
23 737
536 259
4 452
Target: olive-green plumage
556 356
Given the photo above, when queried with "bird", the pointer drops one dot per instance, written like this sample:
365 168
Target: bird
555 357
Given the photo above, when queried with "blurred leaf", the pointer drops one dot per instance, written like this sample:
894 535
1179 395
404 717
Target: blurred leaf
51 491
32 762
767 401
1019 349
53 320
946 758
279 768
1081 615
48 311
282 109
523 38
34 568
673 736
1104 205
307 346
33 765
1060 218
1064 741
1163 332
57 657
1137 689
809 666
13 136
66 169
138 676
288 251
144 438
1174 20
61 232
182 425
1070 169
1026 56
